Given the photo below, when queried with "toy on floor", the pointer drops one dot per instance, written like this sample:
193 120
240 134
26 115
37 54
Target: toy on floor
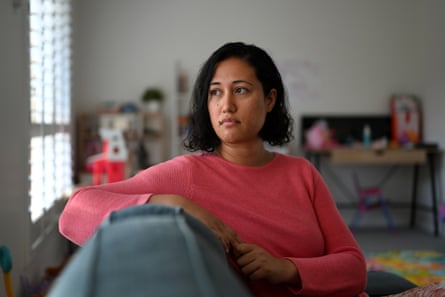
370 198
6 264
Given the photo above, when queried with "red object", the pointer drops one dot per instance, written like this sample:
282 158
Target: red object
113 170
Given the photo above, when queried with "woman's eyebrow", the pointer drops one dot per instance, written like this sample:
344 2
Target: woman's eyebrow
233 82
242 81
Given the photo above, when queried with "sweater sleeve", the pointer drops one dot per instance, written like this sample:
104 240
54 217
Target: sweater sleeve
343 267
89 206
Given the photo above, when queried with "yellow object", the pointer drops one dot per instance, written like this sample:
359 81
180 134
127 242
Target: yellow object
8 284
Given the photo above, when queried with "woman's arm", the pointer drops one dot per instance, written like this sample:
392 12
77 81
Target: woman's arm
343 268
89 206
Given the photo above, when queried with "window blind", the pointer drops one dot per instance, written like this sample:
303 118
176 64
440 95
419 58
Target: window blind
50 103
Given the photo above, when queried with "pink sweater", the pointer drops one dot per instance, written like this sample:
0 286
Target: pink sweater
285 207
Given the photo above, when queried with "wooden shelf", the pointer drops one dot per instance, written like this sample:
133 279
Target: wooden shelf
369 156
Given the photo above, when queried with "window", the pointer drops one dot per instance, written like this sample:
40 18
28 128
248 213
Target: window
50 111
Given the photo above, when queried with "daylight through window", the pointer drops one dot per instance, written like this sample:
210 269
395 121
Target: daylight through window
50 63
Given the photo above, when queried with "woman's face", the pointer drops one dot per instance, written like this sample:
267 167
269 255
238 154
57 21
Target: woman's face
236 102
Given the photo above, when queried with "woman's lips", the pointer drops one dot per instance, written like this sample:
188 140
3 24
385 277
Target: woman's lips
228 122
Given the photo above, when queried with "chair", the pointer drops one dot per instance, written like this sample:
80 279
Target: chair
371 198
383 283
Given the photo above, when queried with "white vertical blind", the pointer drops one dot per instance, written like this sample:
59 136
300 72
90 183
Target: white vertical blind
50 66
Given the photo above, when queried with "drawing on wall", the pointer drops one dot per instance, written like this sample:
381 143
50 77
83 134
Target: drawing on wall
302 81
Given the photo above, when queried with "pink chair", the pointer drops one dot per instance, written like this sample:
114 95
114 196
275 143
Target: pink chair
371 198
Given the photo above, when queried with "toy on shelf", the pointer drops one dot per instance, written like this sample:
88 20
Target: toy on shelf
111 162
405 119
319 136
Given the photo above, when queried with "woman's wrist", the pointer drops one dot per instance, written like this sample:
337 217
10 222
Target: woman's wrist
167 199
179 201
292 274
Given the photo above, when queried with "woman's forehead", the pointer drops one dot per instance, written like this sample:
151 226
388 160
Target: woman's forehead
233 69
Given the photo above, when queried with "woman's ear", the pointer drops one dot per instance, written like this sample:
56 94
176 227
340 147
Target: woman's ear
271 98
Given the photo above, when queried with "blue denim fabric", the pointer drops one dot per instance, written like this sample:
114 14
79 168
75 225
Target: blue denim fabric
150 250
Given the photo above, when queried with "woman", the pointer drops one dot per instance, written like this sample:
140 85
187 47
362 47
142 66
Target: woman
273 213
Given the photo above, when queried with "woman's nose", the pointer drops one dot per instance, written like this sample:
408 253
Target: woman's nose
228 103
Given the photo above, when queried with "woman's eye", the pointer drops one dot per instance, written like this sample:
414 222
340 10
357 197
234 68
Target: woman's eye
214 92
240 90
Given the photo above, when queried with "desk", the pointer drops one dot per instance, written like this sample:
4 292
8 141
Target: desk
415 157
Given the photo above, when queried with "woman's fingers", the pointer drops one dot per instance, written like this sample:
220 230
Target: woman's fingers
227 236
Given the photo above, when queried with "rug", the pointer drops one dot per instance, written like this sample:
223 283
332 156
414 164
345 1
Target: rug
421 267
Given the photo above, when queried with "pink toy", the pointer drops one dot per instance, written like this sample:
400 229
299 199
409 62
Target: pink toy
319 136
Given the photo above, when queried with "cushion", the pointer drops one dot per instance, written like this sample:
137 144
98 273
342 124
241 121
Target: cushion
382 283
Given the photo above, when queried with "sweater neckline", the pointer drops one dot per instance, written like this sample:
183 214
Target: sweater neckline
219 159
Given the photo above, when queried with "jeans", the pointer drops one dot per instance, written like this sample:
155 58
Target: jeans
149 250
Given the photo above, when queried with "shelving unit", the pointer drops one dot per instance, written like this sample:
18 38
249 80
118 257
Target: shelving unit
144 134
153 124
181 110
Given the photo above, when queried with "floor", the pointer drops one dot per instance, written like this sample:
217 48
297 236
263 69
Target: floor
378 240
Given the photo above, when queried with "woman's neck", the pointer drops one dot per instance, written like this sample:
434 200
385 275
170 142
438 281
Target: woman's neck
255 155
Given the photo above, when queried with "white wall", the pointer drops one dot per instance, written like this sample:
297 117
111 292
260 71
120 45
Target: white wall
364 50
15 231
13 173
433 60
433 35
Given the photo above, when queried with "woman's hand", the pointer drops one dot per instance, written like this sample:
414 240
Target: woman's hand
225 234
257 264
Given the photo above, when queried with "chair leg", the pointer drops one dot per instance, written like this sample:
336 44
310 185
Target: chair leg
387 214
356 220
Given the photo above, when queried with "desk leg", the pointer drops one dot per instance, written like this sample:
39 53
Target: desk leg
317 161
314 159
414 196
433 193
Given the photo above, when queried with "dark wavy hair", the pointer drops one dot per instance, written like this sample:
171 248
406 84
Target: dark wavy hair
277 129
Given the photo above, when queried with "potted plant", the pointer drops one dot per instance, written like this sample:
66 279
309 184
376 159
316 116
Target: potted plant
152 98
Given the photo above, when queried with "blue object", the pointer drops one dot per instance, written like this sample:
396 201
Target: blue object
367 136
5 259
129 107
150 250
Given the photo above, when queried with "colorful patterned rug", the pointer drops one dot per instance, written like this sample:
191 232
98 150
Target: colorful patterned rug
420 267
